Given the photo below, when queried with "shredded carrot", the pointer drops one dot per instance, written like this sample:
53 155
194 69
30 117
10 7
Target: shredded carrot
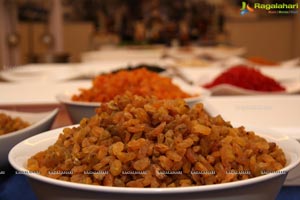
139 82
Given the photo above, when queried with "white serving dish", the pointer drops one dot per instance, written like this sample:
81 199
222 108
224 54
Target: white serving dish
40 122
78 110
124 55
37 93
227 89
263 187
287 77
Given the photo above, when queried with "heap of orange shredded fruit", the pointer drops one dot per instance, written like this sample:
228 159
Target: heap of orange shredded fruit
139 82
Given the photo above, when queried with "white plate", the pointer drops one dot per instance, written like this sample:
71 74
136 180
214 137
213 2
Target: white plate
287 77
40 122
227 89
123 55
262 187
40 72
28 93
217 53
199 93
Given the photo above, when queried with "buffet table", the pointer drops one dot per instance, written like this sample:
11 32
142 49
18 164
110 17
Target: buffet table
37 97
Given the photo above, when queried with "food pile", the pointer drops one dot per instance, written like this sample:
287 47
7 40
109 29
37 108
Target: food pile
138 81
136 141
9 124
247 78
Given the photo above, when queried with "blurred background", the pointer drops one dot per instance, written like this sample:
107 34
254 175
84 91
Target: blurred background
34 31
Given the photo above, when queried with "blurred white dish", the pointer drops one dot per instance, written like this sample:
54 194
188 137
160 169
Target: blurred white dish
40 72
124 55
214 53
37 93
227 89
93 68
40 122
263 187
288 78
78 109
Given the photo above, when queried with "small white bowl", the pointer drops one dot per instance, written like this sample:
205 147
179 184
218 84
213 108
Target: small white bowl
263 187
78 109
40 122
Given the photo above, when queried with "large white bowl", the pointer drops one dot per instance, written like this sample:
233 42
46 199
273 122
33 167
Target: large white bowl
78 109
263 187
40 122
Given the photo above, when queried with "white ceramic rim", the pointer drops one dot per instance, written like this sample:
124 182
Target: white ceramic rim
38 72
65 98
109 189
228 88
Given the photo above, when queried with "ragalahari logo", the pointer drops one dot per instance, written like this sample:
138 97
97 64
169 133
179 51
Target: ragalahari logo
246 8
